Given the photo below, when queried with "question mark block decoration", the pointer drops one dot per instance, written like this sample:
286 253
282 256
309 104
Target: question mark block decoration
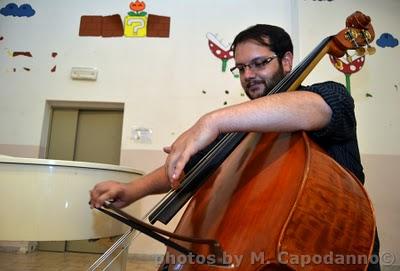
135 26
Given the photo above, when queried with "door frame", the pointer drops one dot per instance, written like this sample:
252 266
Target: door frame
53 104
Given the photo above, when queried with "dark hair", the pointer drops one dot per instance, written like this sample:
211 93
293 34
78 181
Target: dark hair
278 40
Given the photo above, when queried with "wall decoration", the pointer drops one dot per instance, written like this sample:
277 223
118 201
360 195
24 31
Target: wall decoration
387 40
219 49
13 54
12 9
112 26
90 25
158 26
226 92
16 53
137 8
347 66
54 55
136 21
104 26
138 24
19 54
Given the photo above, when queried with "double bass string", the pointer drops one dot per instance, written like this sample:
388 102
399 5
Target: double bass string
195 177
299 69
184 193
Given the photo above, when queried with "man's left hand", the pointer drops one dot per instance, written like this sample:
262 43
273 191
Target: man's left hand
186 145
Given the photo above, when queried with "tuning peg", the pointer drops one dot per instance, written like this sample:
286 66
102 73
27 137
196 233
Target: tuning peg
339 65
367 37
371 50
349 58
360 51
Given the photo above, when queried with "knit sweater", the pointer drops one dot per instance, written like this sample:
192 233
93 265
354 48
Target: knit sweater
339 137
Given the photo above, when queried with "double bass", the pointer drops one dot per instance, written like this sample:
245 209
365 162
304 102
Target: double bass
274 201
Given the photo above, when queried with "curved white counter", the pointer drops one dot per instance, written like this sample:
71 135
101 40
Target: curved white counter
44 200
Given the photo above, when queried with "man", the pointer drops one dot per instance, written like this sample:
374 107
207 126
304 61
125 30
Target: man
263 56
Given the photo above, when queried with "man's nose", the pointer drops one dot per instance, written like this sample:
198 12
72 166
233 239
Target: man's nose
248 72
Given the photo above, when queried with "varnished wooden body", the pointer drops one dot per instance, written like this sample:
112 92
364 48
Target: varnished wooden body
279 203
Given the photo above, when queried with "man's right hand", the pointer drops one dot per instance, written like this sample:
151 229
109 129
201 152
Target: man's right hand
112 191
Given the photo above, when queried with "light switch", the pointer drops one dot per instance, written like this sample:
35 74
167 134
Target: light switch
141 135
84 73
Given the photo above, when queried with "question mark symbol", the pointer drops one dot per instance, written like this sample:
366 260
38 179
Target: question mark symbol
137 27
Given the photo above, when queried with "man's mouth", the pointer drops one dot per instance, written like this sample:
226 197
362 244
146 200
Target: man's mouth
253 85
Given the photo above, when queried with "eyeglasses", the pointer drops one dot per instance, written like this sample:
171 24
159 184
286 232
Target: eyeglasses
256 64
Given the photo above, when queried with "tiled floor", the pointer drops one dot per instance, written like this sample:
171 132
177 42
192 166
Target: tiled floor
59 261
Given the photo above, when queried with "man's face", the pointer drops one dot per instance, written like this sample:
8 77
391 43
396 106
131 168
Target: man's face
260 78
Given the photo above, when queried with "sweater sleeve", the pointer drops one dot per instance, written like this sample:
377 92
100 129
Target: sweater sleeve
342 125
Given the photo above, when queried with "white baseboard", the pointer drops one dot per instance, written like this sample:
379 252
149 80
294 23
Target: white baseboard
390 268
22 247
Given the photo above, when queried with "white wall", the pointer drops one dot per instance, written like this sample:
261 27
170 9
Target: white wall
160 80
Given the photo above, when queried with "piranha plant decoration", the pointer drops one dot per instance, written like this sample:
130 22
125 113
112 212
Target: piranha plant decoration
219 49
348 65
137 8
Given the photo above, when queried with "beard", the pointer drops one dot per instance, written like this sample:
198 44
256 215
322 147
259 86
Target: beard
259 87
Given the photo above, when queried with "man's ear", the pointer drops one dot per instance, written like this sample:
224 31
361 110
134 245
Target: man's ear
287 62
